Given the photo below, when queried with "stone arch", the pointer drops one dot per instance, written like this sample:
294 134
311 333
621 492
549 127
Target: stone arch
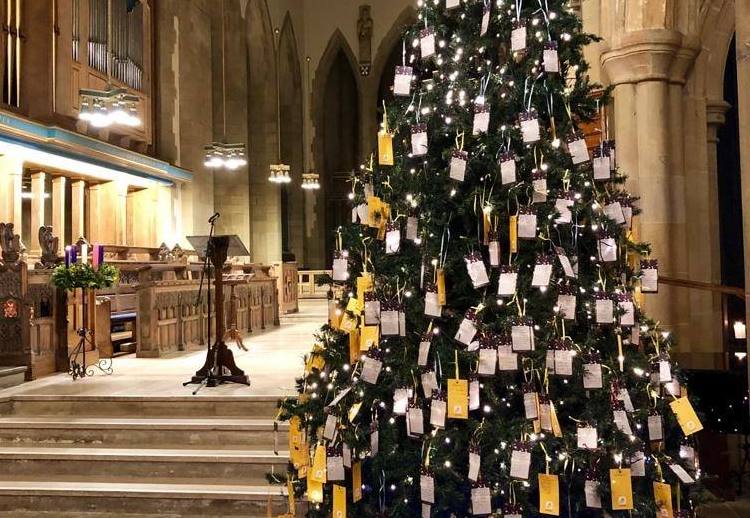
290 95
336 113
265 200
716 32
391 43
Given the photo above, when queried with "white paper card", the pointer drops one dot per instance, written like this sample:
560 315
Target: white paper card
494 254
527 226
424 350
402 81
473 395
392 241
565 263
335 468
347 452
563 205
579 153
412 227
683 475
530 406
429 383
522 338
506 286
624 396
608 249
530 130
539 190
374 442
592 376
400 401
431 306
416 420
649 280
340 269
551 60
542 275
474 463
330 428
587 437
507 360
419 143
481 122
371 370
567 305
518 39
601 168
478 273
665 372
485 20
427 488
593 499
372 312
487 360
438 410
458 168
638 464
605 311
614 212
520 462
389 323
481 500
655 428
450 4
507 171
564 362
427 44
628 318
467 330
622 423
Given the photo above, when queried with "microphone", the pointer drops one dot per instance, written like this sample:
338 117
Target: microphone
213 218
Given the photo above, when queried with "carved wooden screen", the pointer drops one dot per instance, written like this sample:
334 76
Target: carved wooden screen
10 50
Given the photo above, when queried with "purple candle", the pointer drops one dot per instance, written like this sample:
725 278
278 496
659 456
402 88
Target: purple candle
67 256
73 254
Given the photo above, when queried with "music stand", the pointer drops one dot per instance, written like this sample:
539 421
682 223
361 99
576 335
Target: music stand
219 366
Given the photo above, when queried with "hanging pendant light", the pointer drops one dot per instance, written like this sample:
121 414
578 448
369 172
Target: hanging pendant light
113 105
221 154
278 173
311 179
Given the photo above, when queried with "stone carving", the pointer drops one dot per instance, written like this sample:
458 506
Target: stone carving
364 34
49 244
11 244
40 296
164 253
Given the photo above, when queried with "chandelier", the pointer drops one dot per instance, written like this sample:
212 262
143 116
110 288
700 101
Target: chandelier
310 181
228 156
102 108
279 174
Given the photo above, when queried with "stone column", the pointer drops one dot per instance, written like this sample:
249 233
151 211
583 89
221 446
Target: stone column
58 207
38 180
78 202
742 28
648 69
11 184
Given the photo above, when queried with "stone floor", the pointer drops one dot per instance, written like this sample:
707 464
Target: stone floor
273 360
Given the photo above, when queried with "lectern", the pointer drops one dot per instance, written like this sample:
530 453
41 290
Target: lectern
219 366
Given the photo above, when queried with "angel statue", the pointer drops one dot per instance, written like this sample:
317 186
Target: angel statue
11 244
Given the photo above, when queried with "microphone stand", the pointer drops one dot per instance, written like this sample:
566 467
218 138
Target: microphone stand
206 268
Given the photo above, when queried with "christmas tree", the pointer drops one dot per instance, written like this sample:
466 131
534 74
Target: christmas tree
486 350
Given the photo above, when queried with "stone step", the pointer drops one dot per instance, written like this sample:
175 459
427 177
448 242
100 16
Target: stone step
88 499
140 406
171 433
238 467
11 376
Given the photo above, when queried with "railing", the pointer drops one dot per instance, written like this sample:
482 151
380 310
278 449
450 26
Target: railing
307 284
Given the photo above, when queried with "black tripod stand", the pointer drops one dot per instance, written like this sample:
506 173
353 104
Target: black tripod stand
219 366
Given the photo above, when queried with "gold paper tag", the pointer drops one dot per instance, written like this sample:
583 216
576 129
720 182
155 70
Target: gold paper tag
442 298
364 284
622 489
549 495
686 416
339 501
458 399
334 316
354 410
513 234
318 470
356 482
385 148
353 346
290 498
314 491
486 227
374 213
663 500
369 337
348 323
299 451
355 306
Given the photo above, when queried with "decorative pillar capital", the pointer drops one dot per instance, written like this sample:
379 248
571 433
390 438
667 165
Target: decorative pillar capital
650 55
716 110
